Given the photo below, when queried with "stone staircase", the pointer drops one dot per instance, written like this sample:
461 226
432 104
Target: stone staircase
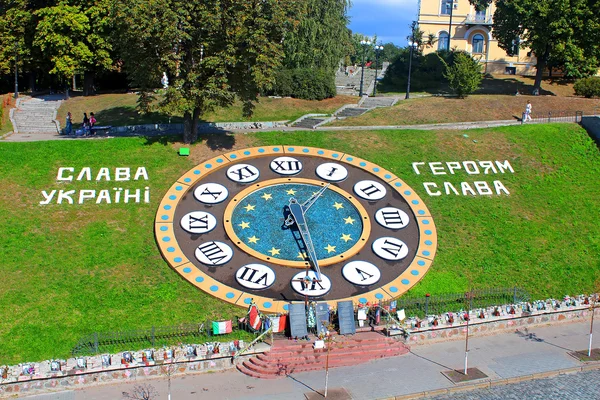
350 84
374 102
37 115
350 112
288 357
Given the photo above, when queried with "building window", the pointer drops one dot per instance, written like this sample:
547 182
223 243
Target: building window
443 41
478 43
446 4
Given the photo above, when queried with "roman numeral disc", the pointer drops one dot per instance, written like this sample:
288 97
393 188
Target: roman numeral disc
390 248
310 287
214 253
286 166
255 276
361 273
392 218
332 172
211 193
198 222
243 173
370 190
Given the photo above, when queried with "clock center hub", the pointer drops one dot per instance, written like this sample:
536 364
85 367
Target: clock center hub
255 220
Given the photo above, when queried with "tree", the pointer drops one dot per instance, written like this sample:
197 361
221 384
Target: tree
211 51
561 31
321 38
74 38
464 74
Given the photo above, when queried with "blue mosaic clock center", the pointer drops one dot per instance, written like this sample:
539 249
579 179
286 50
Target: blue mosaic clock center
258 220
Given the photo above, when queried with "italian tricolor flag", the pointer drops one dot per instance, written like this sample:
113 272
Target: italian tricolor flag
221 327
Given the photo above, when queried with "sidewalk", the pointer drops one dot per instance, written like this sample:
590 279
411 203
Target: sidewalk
538 353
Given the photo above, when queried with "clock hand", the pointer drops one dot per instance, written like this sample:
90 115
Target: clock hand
306 205
297 216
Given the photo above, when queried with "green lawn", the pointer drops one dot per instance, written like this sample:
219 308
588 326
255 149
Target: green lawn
119 110
70 270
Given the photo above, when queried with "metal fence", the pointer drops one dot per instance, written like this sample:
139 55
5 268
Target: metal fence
438 304
554 116
100 342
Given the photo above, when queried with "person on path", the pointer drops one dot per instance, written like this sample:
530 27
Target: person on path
69 124
86 124
92 122
527 113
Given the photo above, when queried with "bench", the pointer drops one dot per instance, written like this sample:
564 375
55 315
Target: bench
101 128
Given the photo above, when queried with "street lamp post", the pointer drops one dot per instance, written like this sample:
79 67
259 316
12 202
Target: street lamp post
450 3
364 44
377 50
410 57
16 70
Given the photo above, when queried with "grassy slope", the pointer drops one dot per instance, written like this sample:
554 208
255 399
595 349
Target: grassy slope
119 109
70 270
544 237
484 107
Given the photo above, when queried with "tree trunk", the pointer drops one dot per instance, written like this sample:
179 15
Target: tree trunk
88 83
541 65
187 128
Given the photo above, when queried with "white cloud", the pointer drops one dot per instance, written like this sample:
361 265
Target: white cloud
388 3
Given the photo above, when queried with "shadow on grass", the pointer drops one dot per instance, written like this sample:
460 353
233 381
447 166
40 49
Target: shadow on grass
121 116
509 86
217 139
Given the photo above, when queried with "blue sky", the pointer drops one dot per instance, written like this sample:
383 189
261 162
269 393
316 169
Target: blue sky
388 19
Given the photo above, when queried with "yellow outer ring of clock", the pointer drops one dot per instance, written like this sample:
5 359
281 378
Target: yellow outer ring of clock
235 201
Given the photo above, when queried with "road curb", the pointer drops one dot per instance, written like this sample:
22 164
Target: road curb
488 384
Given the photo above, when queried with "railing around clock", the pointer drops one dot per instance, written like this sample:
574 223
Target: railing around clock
438 304
160 336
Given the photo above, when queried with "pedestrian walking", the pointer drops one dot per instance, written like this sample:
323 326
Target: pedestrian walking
527 113
69 124
92 122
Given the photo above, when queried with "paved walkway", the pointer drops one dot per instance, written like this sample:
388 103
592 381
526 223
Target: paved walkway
539 351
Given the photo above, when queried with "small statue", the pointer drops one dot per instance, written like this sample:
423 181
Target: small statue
165 81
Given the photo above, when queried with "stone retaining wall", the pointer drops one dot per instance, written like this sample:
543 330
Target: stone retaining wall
491 327
203 127
76 379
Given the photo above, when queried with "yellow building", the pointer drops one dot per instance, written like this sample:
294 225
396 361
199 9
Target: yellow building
471 31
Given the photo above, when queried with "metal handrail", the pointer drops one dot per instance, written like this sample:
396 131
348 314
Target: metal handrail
239 353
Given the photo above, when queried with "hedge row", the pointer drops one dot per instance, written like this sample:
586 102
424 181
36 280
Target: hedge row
304 83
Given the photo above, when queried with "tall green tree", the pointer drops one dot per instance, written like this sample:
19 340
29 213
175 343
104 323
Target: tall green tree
212 52
566 32
16 24
74 36
321 37
464 74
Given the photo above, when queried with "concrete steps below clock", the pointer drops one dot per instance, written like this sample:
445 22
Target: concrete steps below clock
288 357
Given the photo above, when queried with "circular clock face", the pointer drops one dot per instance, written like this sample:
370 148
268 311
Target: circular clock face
281 224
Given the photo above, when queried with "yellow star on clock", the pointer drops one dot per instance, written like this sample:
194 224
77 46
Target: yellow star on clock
253 239
349 220
244 225
267 196
250 208
345 238
330 248
274 251
291 192
338 205
302 255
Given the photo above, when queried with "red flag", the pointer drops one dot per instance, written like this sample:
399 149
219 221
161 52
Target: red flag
255 321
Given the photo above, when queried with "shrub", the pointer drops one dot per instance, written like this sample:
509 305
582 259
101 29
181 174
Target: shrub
588 87
427 72
464 75
304 83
